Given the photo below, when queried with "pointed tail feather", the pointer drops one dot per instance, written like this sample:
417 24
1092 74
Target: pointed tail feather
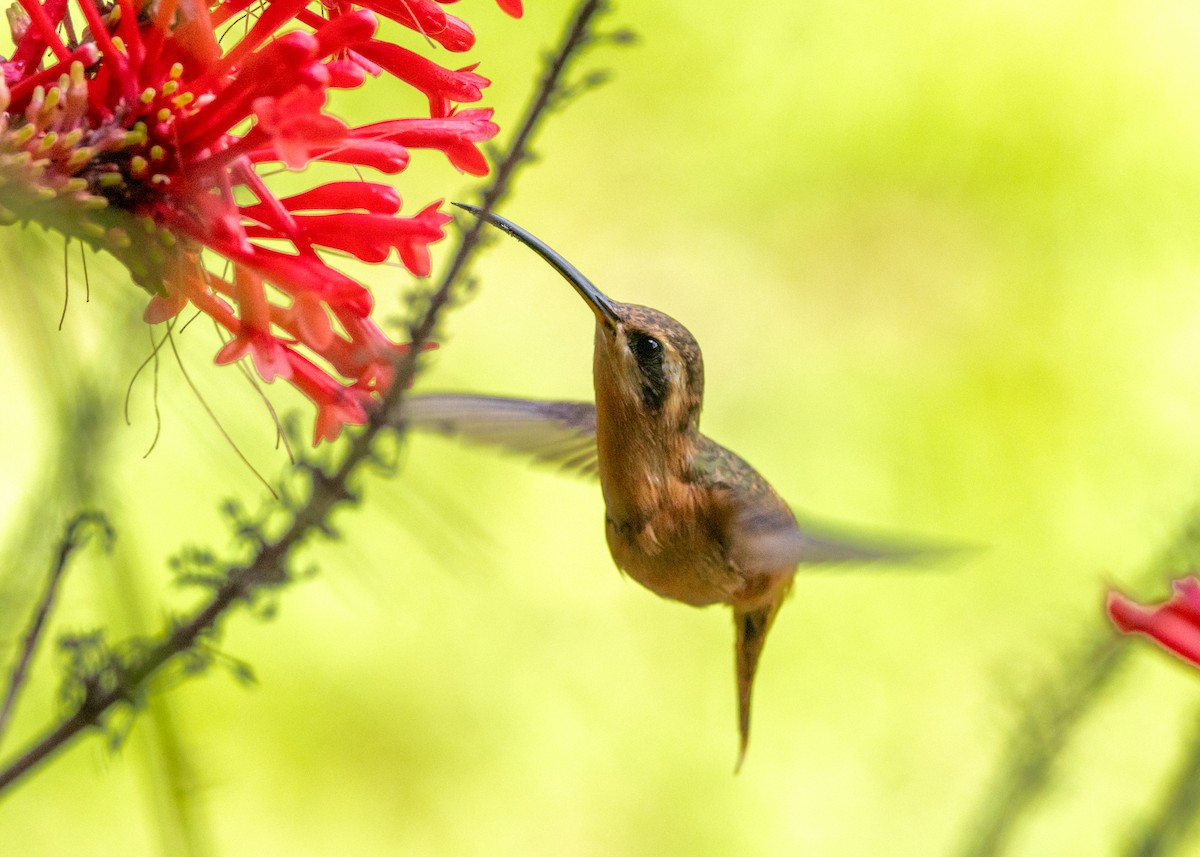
750 628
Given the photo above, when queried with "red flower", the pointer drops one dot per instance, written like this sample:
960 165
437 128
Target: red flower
1174 625
146 137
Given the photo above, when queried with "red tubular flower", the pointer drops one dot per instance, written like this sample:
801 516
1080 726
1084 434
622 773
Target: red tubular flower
145 140
1174 624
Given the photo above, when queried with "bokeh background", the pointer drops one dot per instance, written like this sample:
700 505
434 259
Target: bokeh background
943 261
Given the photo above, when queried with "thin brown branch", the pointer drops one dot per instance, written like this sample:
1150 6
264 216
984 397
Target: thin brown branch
74 538
269 565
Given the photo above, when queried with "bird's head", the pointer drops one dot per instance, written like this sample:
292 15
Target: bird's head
646 363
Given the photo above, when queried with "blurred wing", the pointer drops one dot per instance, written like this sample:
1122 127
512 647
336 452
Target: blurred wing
763 535
772 538
557 433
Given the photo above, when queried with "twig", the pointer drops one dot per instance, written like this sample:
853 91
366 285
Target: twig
269 565
73 539
1169 828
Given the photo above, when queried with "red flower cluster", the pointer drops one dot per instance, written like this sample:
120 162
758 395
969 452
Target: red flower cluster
127 125
1174 625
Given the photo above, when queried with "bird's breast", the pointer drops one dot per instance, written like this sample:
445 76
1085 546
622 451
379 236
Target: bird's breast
675 550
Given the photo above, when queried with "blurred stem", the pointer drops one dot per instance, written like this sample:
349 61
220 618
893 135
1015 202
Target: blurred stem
84 408
1040 735
1061 703
1167 831
74 538
328 489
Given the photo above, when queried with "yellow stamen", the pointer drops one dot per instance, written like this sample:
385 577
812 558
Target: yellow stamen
136 137
79 158
36 100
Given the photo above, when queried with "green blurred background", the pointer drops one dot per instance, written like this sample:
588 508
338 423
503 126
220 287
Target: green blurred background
942 259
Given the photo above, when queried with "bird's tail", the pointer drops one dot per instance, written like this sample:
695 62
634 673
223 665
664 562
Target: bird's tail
751 627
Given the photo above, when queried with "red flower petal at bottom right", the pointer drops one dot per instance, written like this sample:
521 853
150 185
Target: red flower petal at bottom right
1174 624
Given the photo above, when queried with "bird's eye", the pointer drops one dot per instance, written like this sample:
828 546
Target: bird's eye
647 348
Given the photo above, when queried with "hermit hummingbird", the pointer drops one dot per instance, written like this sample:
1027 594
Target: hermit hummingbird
684 516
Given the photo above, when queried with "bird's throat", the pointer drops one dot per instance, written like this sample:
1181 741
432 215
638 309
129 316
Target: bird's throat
642 465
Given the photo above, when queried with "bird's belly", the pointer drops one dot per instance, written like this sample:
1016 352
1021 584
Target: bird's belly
678 570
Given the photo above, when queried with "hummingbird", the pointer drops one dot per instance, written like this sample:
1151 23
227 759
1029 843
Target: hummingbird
685 517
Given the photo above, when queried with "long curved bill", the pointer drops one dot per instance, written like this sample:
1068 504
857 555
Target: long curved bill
605 309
